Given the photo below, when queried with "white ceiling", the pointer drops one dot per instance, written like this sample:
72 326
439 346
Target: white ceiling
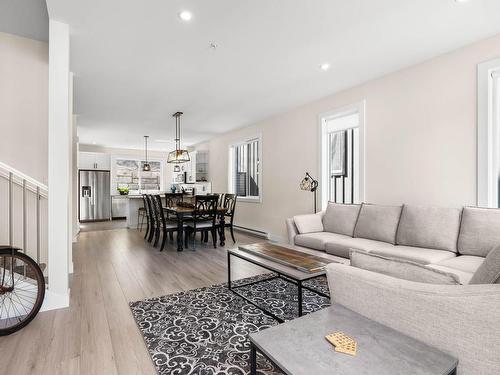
136 62
27 18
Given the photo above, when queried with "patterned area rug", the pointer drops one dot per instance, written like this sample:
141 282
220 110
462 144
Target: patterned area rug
204 331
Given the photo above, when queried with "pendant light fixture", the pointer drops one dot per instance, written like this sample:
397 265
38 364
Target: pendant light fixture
146 167
179 155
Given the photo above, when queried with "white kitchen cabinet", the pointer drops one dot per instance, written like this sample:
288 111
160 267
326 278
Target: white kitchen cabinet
201 165
94 160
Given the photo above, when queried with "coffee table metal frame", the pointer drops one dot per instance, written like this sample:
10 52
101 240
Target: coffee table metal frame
280 275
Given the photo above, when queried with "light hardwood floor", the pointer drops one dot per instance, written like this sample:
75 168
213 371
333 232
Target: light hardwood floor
97 334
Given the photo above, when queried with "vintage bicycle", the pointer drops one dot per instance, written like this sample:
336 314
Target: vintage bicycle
22 289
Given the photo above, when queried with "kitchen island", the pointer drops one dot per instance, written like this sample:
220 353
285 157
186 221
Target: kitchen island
134 202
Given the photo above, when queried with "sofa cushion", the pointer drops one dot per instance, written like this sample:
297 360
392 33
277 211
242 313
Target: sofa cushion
415 254
316 240
480 231
341 218
308 223
342 246
489 271
463 277
429 227
465 263
402 269
378 222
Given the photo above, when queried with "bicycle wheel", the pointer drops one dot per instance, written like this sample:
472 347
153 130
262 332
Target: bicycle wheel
22 289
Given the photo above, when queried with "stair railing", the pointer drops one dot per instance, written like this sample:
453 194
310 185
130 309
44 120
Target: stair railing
27 184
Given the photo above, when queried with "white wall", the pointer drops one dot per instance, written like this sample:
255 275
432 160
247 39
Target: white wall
420 141
24 105
24 131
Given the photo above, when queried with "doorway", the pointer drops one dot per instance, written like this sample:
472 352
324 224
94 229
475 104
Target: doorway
342 155
488 136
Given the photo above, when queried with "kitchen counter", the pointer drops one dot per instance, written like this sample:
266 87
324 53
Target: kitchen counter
134 202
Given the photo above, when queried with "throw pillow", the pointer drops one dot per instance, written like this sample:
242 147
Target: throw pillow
341 218
401 269
489 271
308 223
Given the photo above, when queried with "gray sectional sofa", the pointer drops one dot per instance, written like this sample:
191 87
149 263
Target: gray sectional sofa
448 239
462 320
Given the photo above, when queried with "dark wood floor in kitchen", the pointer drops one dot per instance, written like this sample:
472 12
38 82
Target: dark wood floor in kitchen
97 334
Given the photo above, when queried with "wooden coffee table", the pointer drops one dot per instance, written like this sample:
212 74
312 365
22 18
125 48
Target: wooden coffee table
292 265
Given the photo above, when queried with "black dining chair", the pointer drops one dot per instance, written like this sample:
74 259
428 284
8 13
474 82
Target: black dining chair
171 199
220 202
203 219
143 216
230 206
152 218
164 227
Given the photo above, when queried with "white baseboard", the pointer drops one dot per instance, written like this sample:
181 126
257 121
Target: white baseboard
262 234
55 301
252 231
278 239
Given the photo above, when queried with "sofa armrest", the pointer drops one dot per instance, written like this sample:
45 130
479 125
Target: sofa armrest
291 229
461 320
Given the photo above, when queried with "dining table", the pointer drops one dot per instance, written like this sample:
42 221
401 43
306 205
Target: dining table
183 212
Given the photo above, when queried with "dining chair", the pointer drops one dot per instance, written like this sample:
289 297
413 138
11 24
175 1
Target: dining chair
171 199
164 227
143 216
230 206
220 202
152 218
203 219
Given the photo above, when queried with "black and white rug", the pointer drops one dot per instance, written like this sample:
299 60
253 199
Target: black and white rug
204 331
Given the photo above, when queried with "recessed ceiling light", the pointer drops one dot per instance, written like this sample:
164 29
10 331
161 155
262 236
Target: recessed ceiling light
185 15
324 67
462 1
94 142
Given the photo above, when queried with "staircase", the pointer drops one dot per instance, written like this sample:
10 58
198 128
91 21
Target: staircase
23 214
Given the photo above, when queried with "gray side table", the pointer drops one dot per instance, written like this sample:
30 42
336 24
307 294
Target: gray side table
299 347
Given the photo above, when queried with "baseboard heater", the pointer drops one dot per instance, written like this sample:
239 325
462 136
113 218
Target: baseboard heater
255 232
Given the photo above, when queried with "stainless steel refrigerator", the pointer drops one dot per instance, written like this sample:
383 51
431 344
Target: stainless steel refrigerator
95 197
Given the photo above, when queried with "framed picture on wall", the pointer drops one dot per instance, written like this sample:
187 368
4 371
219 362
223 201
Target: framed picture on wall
338 141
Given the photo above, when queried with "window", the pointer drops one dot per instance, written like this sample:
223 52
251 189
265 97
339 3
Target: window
245 169
129 173
342 150
150 180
